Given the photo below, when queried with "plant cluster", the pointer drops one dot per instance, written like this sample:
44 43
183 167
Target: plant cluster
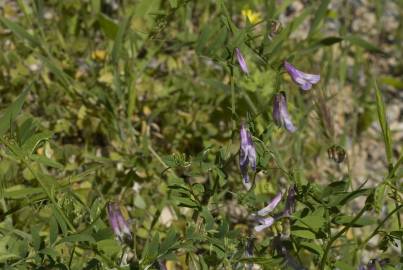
119 144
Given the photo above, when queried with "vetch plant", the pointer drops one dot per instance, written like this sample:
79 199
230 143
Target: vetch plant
157 107
241 61
304 80
280 112
247 155
287 212
118 223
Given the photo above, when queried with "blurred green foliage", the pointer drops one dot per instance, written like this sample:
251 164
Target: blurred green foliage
140 102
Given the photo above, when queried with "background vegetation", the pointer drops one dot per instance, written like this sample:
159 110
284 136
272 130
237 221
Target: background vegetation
140 102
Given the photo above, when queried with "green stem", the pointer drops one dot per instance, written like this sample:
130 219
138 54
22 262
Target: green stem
380 225
233 110
71 256
41 183
335 237
52 199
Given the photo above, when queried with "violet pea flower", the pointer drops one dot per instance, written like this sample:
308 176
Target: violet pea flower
247 155
241 61
290 202
119 225
304 80
287 212
289 260
280 112
268 221
372 264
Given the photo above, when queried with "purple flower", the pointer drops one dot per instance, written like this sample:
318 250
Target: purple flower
281 249
247 155
119 225
304 80
287 212
268 221
290 203
241 61
265 223
271 206
249 252
373 263
162 265
280 112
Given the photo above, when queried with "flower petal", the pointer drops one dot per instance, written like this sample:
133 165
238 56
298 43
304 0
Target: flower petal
271 206
306 86
252 157
312 78
290 203
241 61
119 225
267 222
113 219
304 80
280 112
288 124
244 173
247 153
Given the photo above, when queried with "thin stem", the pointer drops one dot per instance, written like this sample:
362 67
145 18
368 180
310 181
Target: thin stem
72 255
335 237
233 110
42 184
52 199
380 226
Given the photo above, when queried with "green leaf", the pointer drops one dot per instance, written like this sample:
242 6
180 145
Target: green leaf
20 191
170 241
80 237
25 130
329 41
20 31
50 252
108 26
392 81
146 6
151 250
207 32
173 3
319 15
343 266
109 246
53 229
36 239
55 67
47 162
208 218
379 197
32 142
16 151
12 111
345 197
304 234
380 106
95 6
219 40
263 261
396 234
312 247
346 220
314 222
186 202
60 220
357 41
117 45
